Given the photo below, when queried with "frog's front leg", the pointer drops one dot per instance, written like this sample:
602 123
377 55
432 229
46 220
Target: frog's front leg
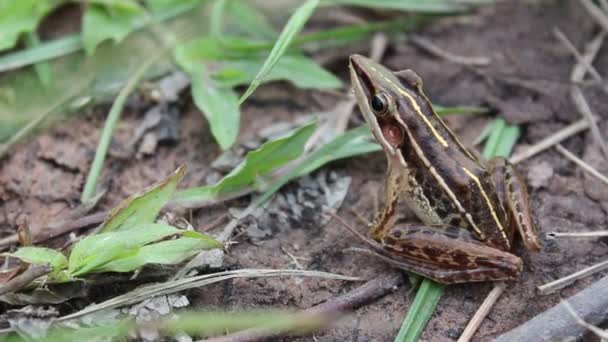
445 254
386 217
512 192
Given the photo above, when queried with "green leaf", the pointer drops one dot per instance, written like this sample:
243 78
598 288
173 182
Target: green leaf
219 105
162 6
101 23
291 29
118 5
217 13
218 48
17 17
165 253
460 110
249 20
42 69
508 138
299 70
93 252
41 256
143 207
256 164
498 126
420 311
354 142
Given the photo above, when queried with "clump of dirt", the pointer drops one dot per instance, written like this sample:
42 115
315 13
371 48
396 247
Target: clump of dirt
527 82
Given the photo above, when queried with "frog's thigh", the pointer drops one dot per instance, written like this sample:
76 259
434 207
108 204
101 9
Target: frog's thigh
513 195
447 254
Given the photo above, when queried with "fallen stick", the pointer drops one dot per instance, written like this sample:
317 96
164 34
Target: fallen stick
569 279
556 324
373 289
482 312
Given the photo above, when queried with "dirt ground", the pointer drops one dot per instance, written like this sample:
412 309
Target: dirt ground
527 82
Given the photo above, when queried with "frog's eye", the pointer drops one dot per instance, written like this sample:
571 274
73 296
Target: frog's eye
379 104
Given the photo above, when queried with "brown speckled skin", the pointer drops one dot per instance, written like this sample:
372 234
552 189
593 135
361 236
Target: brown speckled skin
469 211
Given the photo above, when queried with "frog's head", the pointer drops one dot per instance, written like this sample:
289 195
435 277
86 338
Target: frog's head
389 101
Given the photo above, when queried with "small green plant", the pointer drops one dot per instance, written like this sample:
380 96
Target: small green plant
128 240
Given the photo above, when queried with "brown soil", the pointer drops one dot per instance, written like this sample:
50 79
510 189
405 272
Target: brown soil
43 178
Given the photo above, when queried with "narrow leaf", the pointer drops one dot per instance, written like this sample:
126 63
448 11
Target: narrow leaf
95 251
249 19
165 253
354 142
217 13
143 207
219 105
257 164
41 256
460 110
494 138
42 69
302 71
100 23
420 311
164 6
507 141
291 29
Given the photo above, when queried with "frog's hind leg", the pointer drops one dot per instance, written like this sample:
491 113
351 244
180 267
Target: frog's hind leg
512 192
446 254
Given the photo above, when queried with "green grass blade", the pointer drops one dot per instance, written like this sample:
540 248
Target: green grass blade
219 106
291 29
256 165
420 312
43 52
42 69
353 142
494 138
106 135
508 138
215 22
434 6
460 110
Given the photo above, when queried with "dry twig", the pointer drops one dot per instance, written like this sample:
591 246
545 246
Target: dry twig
600 233
556 324
588 168
583 65
603 334
597 14
567 280
375 288
482 312
551 140
583 61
